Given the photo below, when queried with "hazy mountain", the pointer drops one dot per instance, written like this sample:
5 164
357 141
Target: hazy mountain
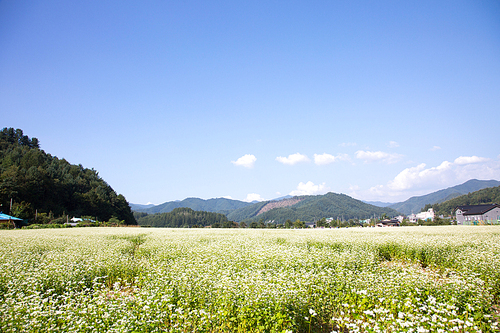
379 203
283 198
139 207
217 205
309 209
415 204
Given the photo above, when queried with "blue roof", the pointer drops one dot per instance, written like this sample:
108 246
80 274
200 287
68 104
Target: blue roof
4 217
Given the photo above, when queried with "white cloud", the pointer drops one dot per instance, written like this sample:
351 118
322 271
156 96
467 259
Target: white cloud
435 148
393 144
227 197
372 156
327 158
292 159
470 160
348 144
254 197
416 176
246 161
309 189
420 179
447 173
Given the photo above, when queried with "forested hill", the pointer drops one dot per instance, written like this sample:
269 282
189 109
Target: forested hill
415 204
37 181
184 218
489 195
218 205
311 208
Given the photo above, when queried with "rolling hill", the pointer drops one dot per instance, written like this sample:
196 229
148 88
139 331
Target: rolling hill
488 195
415 204
309 209
217 205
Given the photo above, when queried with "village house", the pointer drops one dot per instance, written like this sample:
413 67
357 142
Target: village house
388 223
412 218
426 216
478 214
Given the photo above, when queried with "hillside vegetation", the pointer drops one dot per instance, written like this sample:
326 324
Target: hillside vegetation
311 209
183 218
485 196
37 182
216 205
415 204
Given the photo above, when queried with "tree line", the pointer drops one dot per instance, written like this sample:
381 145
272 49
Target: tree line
184 218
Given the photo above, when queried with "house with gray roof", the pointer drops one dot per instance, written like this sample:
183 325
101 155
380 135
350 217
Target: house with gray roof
478 214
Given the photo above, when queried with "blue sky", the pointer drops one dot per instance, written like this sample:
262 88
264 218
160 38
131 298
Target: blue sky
380 100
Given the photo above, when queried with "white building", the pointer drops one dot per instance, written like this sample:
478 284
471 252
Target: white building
428 215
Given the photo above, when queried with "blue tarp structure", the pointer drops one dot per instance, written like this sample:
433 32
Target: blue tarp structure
4 217
10 219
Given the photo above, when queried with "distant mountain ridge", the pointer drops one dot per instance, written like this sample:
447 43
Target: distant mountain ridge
490 195
379 203
415 204
138 207
309 209
215 205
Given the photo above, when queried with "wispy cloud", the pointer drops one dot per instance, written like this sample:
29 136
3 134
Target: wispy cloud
393 144
348 144
309 188
292 159
435 148
378 156
327 158
246 161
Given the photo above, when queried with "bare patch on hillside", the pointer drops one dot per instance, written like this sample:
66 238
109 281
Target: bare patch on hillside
279 204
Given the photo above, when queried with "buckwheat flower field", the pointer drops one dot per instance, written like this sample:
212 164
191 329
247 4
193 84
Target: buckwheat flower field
412 279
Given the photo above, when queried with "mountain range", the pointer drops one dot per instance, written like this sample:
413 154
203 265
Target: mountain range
415 204
490 195
310 208
313 207
304 208
216 205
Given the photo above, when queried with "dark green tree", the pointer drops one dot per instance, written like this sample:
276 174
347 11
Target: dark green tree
37 181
